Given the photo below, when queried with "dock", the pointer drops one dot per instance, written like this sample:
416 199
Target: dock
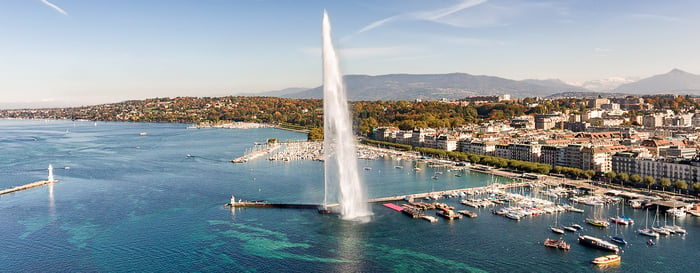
442 193
26 186
270 147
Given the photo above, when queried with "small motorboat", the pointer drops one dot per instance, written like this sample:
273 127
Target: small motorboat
572 229
651 242
618 240
607 259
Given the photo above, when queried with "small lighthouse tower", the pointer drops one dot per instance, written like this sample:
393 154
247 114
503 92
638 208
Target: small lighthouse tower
50 173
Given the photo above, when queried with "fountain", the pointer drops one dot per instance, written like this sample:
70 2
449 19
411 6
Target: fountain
340 159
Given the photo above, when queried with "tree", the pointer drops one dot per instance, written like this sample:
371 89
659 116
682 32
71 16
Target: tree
623 177
649 180
665 183
316 134
681 184
610 175
696 187
588 174
557 169
635 178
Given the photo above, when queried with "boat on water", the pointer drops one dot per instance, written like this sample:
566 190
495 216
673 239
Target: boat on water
367 169
429 218
434 177
557 230
661 230
449 214
607 259
594 242
618 239
648 232
597 222
676 212
468 213
571 229
560 244
651 242
619 220
572 208
675 229
577 226
398 167
143 133
513 216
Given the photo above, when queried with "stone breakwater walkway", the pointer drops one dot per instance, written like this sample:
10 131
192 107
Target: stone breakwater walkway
26 187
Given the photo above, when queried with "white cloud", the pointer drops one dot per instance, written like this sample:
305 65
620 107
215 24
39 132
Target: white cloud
46 2
430 15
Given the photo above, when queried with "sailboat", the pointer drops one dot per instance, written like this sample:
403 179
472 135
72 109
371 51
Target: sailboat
617 238
596 221
655 225
646 231
674 228
555 228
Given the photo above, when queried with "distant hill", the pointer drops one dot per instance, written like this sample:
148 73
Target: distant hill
589 94
275 93
437 86
676 82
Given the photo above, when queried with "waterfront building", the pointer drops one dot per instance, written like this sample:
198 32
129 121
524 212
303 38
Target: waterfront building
385 133
419 135
525 152
404 137
502 150
446 142
671 168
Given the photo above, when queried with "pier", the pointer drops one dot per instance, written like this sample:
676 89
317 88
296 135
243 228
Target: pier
26 186
269 147
265 204
441 193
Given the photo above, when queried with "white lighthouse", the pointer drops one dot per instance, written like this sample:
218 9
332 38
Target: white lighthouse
50 173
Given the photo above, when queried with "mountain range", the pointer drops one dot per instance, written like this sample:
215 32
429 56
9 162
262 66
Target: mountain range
461 85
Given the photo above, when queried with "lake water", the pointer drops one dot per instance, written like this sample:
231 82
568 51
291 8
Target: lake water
131 202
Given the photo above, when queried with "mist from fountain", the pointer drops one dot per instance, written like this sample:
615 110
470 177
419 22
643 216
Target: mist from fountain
339 146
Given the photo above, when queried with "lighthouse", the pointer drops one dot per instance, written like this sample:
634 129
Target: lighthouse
50 173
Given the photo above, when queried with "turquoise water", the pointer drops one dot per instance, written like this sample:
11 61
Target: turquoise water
128 202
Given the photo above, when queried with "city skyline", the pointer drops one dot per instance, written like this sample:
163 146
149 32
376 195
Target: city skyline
77 52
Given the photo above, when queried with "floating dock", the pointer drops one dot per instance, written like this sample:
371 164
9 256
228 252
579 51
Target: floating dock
26 186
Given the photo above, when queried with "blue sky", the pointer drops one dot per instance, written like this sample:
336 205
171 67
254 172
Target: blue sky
98 51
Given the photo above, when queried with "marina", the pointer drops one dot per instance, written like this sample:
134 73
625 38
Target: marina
159 200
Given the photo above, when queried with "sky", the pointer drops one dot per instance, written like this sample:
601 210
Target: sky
78 52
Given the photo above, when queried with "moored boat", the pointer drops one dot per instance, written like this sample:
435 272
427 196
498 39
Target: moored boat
577 226
572 229
448 213
468 213
513 216
648 232
661 230
618 239
429 218
594 242
557 230
619 220
560 244
607 259
597 222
